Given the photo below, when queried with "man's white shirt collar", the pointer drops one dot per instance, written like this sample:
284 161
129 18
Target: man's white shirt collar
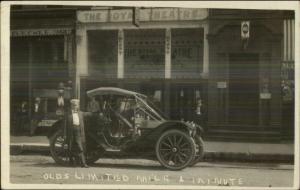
75 116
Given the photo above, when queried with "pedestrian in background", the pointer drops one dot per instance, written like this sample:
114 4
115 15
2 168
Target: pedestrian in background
93 105
22 117
61 107
36 115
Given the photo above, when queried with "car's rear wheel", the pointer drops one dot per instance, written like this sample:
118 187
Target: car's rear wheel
94 150
59 150
175 149
93 156
199 150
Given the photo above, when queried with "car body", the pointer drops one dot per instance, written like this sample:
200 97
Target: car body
128 122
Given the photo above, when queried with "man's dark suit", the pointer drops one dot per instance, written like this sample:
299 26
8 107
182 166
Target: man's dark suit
76 137
37 115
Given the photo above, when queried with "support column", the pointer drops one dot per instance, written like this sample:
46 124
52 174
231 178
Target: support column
70 58
206 52
66 41
82 57
54 55
167 97
275 85
30 64
167 71
67 63
168 54
120 54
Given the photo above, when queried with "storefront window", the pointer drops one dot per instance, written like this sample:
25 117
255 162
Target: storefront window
102 53
48 62
39 60
187 52
19 58
144 53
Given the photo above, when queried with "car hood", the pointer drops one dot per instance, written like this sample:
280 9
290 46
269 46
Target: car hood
188 124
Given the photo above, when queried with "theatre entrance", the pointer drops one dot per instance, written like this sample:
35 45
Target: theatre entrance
243 89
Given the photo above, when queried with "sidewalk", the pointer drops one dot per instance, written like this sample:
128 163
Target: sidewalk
214 150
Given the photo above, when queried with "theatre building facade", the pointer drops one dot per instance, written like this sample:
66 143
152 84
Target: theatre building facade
197 64
164 54
231 71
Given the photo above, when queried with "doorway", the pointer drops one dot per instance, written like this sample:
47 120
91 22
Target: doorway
243 89
187 102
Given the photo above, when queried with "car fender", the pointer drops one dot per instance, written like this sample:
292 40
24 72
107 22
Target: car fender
168 125
199 130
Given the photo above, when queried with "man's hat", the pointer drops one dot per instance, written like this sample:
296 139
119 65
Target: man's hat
74 102
37 99
61 86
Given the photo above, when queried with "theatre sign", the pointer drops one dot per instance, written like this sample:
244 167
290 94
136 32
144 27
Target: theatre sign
150 14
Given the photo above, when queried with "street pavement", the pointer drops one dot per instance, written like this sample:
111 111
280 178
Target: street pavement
37 169
214 150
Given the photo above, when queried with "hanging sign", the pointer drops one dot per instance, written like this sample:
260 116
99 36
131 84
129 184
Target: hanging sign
221 84
245 29
265 95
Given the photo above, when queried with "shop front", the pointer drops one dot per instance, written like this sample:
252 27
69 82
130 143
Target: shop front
41 57
164 57
245 88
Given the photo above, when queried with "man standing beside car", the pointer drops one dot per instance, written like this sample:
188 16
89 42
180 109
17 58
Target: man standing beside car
76 134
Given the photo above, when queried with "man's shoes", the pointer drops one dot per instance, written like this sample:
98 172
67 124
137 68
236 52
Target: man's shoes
84 166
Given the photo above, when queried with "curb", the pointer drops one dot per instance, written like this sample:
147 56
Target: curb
20 148
248 157
38 148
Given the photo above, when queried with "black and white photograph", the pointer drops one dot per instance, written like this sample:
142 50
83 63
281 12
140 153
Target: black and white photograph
150 95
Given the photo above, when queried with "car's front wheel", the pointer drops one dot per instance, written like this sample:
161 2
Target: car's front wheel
175 149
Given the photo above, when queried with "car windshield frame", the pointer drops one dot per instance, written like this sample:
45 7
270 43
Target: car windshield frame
141 97
151 106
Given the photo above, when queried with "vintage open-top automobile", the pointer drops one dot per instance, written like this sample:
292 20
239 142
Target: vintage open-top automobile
128 122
